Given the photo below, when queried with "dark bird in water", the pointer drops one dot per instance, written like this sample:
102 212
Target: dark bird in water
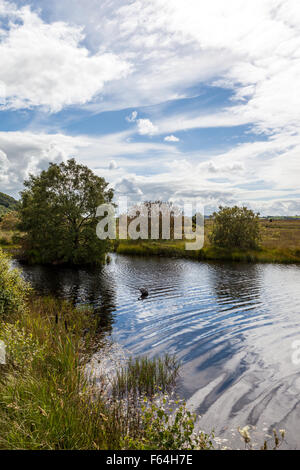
144 292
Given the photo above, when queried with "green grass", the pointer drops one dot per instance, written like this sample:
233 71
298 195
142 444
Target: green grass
262 255
144 377
280 243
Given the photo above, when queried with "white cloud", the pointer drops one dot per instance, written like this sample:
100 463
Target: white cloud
113 165
139 53
146 127
129 187
171 138
249 46
178 122
27 152
221 180
132 116
47 65
22 153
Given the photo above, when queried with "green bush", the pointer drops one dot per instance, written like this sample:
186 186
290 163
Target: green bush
235 228
13 289
9 221
168 428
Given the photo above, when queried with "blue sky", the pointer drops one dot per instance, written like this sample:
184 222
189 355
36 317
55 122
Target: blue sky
169 99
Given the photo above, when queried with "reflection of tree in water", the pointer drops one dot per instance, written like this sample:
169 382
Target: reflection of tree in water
236 282
99 291
90 286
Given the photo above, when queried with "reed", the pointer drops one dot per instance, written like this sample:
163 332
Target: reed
143 376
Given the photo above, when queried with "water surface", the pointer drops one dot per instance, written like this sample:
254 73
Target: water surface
231 325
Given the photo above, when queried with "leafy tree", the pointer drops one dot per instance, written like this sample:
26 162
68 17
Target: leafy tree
235 227
58 213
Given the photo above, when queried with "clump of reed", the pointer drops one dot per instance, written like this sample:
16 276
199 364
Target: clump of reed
142 376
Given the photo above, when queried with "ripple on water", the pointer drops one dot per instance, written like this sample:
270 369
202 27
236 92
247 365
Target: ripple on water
232 326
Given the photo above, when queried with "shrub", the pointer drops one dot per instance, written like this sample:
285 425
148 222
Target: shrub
235 227
9 221
165 428
13 289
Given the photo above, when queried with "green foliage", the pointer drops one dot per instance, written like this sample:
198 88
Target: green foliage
13 290
9 221
21 347
58 213
235 228
165 428
45 400
7 203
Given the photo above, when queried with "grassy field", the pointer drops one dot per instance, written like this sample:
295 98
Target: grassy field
280 242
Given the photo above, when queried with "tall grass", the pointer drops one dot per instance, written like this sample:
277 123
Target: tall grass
142 376
43 399
280 242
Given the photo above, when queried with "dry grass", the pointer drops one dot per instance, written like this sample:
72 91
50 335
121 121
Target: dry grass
6 237
280 242
281 234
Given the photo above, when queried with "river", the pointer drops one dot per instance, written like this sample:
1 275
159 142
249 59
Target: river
232 325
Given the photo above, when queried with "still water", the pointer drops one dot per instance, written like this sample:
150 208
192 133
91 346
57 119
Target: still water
231 325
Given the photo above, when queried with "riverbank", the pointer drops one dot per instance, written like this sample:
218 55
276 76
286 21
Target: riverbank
177 249
280 243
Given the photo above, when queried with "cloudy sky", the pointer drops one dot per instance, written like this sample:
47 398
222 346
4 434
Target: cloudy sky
167 99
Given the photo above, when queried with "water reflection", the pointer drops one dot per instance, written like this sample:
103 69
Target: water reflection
90 286
232 326
236 282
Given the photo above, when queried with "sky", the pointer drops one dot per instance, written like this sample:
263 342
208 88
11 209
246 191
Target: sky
176 100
